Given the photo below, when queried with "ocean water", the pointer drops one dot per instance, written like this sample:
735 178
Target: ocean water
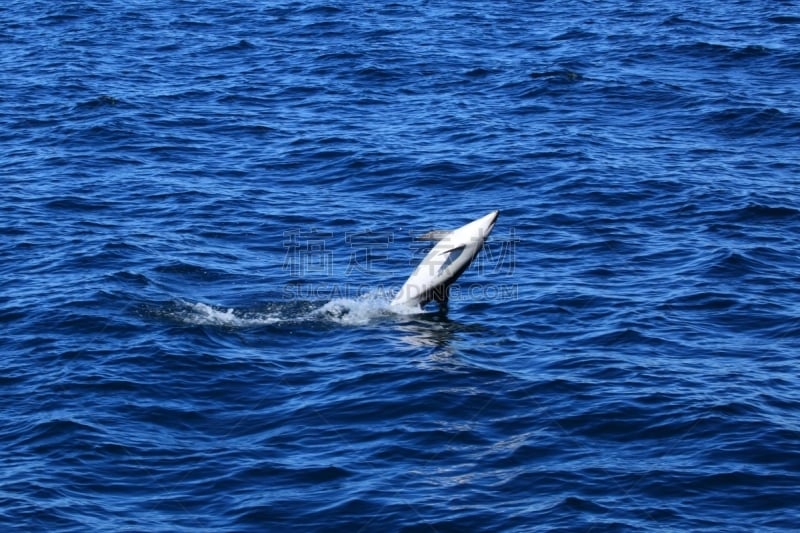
207 206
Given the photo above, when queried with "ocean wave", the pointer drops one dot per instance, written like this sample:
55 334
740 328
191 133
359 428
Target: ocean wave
195 337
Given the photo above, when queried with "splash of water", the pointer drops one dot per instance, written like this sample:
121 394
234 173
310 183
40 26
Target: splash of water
207 315
344 311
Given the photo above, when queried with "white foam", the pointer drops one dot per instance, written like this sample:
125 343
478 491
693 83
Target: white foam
406 309
207 315
345 311
355 311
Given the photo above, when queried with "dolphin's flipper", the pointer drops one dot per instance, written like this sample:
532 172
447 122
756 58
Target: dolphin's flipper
452 254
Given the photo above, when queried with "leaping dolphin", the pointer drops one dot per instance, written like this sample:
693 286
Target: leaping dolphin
448 259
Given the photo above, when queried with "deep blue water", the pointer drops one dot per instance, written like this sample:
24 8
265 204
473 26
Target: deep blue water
206 207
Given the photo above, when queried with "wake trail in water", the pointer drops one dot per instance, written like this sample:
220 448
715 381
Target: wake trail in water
343 311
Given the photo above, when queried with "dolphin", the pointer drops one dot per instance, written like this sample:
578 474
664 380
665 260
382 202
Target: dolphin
449 258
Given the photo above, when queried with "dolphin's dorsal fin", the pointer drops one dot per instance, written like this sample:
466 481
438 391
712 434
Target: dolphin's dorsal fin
435 235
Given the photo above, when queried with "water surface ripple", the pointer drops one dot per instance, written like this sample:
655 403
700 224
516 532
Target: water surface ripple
207 207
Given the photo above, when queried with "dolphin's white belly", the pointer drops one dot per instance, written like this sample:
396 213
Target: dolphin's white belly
448 259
